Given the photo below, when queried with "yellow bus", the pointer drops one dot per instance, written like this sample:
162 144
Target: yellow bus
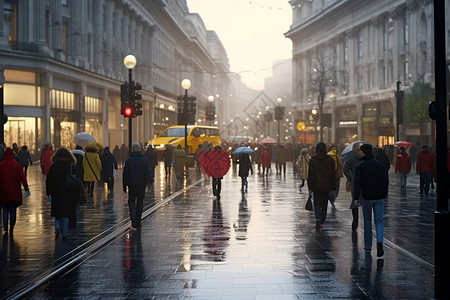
196 135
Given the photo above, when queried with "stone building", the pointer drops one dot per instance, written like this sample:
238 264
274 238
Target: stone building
368 46
62 62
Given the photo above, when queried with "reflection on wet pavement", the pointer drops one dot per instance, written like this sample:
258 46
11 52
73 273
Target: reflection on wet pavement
257 245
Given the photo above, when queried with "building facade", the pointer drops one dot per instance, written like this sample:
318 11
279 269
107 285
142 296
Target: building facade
369 46
62 62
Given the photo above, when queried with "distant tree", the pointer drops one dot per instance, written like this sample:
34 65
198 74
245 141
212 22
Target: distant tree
416 103
322 82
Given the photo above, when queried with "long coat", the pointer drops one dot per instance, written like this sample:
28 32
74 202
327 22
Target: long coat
92 166
63 199
108 163
302 165
180 159
11 177
46 160
245 165
265 158
24 157
282 156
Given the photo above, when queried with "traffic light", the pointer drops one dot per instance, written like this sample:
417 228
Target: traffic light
124 94
127 111
137 109
134 88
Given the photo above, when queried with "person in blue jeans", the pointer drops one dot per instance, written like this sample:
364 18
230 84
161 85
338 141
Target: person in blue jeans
371 181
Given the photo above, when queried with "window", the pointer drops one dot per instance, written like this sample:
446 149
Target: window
345 50
360 43
406 71
10 21
65 41
406 26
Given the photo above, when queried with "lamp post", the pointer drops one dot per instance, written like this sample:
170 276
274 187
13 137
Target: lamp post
267 108
211 111
399 100
130 62
186 84
279 114
314 115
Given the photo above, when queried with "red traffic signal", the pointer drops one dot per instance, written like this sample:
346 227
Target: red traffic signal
127 111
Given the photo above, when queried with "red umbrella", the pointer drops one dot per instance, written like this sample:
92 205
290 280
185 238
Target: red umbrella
268 140
403 144
216 163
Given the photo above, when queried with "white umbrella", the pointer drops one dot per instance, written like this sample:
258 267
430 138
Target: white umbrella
83 138
349 148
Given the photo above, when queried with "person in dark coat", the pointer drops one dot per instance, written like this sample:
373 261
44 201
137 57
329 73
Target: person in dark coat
168 152
321 181
24 158
245 165
63 200
109 164
152 157
371 182
137 173
117 156
78 153
11 177
350 161
123 153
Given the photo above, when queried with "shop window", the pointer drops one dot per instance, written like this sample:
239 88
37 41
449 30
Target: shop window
23 131
93 105
63 100
21 94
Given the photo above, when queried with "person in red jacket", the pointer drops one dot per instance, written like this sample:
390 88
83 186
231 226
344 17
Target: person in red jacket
265 160
424 167
46 159
403 166
11 176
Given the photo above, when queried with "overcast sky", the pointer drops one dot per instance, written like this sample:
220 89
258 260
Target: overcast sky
252 32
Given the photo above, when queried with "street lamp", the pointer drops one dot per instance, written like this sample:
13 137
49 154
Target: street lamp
399 94
130 62
211 110
186 84
267 108
315 116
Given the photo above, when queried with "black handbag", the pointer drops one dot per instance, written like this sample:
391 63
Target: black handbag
74 183
309 205
72 180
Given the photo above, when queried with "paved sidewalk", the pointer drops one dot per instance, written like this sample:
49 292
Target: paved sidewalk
260 245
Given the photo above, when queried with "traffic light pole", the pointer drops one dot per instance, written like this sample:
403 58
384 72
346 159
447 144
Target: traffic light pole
130 120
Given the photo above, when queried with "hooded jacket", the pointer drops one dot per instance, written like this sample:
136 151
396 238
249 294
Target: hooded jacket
91 164
11 176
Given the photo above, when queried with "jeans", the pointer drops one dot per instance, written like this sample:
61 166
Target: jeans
403 177
61 225
425 180
9 210
378 209
136 197
320 205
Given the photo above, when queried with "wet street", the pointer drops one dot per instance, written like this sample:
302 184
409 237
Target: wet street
258 245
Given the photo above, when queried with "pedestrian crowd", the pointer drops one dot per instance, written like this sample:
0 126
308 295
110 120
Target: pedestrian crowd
320 169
